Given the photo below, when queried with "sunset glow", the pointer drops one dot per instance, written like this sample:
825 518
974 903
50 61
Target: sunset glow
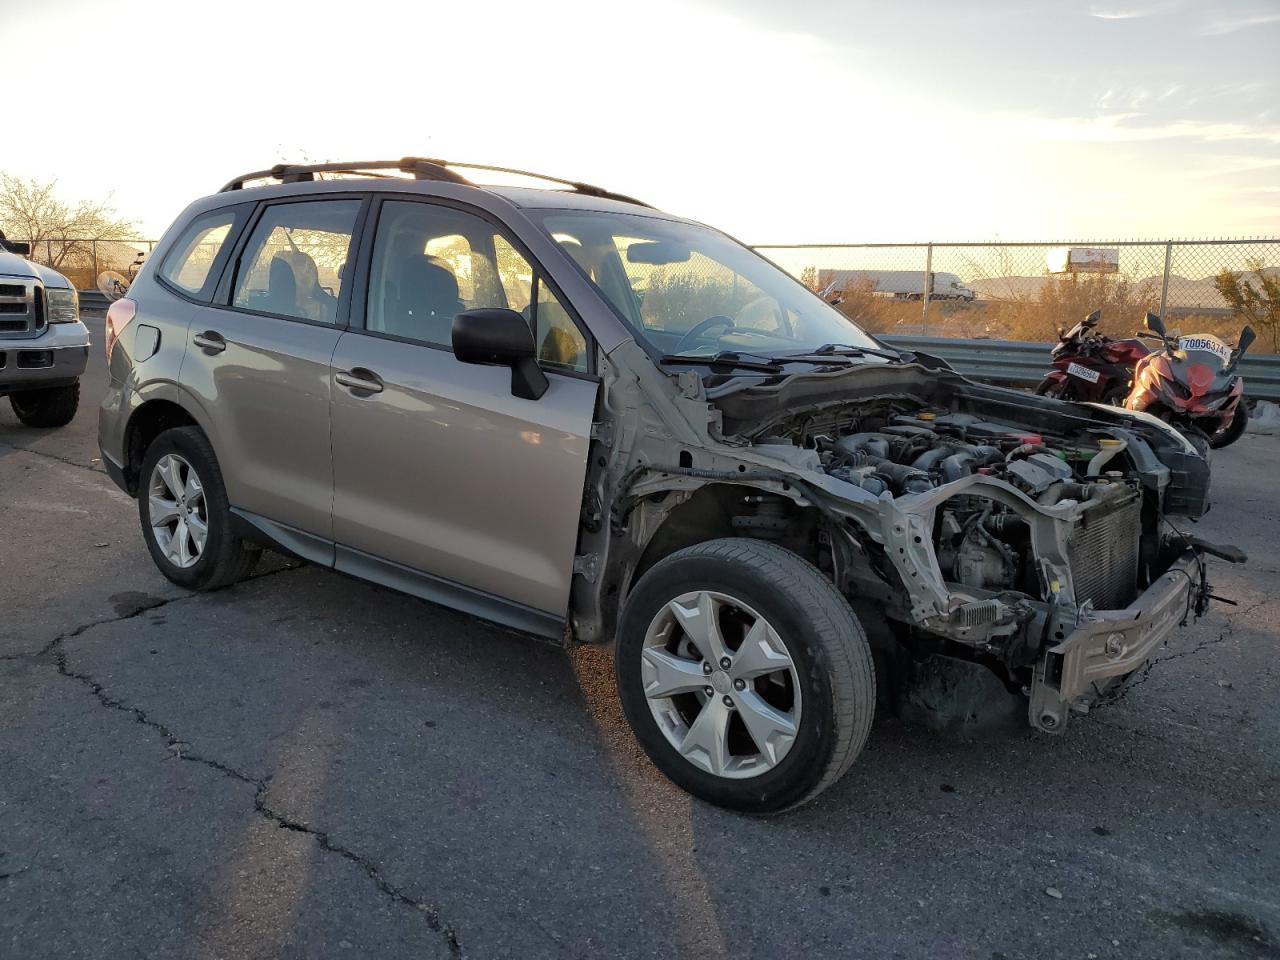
820 122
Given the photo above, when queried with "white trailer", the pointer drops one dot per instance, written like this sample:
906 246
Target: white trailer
898 284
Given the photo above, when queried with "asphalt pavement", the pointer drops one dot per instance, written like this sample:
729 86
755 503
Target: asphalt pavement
307 766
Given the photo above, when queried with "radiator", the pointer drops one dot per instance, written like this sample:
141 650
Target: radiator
1103 553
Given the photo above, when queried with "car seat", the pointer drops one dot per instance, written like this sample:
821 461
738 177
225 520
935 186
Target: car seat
426 301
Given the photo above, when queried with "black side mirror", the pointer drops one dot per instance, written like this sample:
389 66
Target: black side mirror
16 246
1092 319
1156 325
1247 336
502 338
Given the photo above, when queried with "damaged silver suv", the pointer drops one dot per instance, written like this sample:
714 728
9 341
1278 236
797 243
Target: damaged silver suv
570 413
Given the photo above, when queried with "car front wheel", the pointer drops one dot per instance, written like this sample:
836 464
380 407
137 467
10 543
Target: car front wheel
745 675
186 520
47 407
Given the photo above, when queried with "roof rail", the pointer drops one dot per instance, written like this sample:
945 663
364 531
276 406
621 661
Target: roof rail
422 168
299 172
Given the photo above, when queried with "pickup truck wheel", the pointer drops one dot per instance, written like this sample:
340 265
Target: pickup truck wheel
745 675
186 520
50 407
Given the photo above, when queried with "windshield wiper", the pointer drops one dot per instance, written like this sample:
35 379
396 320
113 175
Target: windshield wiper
725 358
845 350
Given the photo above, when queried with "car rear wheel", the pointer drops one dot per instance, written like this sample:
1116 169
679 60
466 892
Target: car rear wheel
50 407
186 520
745 675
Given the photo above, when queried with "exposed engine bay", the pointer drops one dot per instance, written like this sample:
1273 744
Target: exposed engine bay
996 526
1021 538
981 542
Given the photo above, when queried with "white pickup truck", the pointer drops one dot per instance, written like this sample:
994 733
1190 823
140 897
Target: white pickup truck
44 347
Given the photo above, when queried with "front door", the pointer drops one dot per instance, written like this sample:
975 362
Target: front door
259 363
438 468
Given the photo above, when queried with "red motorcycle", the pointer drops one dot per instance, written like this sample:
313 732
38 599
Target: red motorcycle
1189 382
1090 367
1192 383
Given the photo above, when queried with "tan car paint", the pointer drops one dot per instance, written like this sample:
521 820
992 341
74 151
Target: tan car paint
446 472
267 399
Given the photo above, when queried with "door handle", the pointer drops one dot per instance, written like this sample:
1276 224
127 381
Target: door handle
210 340
365 381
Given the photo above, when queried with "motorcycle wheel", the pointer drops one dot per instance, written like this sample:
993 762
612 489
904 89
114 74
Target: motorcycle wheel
1199 439
1233 431
1055 389
1116 396
1195 436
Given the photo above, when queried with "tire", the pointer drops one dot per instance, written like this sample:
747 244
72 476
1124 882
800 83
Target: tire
50 407
1198 439
826 693
223 558
1232 431
1054 389
1115 396
1192 433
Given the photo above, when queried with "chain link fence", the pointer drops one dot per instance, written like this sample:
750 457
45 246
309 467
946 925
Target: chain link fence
1027 291
82 260
1000 291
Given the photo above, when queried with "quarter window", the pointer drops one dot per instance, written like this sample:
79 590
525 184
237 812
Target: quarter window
295 261
189 266
431 262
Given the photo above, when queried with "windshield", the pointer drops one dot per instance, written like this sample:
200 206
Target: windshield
690 290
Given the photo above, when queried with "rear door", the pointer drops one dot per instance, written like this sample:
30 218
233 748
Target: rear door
445 483
258 362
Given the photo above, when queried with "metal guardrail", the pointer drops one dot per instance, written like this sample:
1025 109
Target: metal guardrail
998 361
1025 364
93 300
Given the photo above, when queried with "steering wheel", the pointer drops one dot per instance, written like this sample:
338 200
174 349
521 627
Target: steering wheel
695 333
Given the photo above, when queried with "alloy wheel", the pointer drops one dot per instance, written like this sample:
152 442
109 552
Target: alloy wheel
177 510
721 684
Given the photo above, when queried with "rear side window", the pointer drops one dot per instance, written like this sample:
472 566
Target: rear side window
295 260
190 264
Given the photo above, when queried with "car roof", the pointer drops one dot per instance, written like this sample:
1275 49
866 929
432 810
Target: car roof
538 198
525 198
386 174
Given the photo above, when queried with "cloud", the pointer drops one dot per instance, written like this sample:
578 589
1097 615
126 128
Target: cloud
1121 128
1231 165
1126 13
1217 28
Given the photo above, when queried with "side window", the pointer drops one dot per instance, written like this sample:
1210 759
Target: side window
560 342
431 262
515 275
190 262
294 261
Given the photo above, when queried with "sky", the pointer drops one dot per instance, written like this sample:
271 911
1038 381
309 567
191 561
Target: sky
804 121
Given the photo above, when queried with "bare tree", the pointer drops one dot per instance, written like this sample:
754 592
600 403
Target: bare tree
1256 298
59 233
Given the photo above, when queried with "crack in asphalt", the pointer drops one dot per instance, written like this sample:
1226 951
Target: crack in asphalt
152 604
53 456
56 650
1227 630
